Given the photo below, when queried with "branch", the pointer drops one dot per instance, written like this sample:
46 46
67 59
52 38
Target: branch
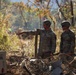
60 9
48 3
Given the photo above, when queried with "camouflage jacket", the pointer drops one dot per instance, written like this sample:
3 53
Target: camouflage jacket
67 44
47 41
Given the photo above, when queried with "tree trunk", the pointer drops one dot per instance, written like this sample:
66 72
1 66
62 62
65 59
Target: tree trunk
60 9
0 4
72 13
36 42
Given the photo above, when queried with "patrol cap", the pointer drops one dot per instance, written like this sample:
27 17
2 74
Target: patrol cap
47 22
65 24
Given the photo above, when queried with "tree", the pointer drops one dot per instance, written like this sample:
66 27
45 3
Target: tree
7 40
65 7
0 4
72 13
3 3
40 7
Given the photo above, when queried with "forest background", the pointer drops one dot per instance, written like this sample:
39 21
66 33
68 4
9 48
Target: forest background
28 15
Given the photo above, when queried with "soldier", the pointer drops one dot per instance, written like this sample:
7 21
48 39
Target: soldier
67 44
47 43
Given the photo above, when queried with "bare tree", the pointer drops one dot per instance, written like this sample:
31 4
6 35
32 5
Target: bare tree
71 10
60 10
72 13
0 4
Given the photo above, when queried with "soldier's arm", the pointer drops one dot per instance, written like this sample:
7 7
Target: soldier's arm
30 32
53 43
72 45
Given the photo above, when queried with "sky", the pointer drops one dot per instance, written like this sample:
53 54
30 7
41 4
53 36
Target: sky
15 0
19 0
54 5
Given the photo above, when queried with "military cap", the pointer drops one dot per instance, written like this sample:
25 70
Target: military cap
65 24
47 22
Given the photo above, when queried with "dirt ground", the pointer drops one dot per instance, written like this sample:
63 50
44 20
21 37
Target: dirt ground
13 66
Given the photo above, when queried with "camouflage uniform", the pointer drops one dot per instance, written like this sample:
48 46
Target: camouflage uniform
47 43
67 44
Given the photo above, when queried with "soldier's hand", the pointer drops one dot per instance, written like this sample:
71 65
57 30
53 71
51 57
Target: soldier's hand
69 54
51 56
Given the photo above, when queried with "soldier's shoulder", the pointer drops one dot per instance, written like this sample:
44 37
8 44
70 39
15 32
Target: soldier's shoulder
72 33
53 33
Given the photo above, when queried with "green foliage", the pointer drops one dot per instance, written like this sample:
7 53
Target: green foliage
66 9
7 41
6 1
35 9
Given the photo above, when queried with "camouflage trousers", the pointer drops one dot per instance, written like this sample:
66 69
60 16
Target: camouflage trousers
66 58
44 55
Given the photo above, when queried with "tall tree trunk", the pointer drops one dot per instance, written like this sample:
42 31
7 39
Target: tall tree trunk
0 4
60 9
48 3
72 13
